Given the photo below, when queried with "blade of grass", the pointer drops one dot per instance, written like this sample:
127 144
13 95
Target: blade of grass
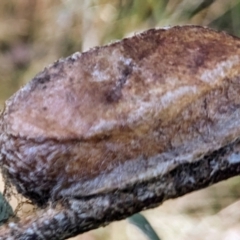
205 4
5 210
229 21
141 222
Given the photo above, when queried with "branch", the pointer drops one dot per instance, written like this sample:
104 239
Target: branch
76 216
102 135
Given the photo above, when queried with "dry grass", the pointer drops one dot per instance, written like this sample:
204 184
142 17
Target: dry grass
34 33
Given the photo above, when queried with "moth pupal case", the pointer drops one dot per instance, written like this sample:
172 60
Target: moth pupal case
122 114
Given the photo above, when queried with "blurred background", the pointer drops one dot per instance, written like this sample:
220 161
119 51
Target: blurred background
35 33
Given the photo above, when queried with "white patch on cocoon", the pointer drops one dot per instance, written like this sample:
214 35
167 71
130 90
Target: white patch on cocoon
220 70
60 217
164 27
101 75
234 158
75 56
101 126
145 109
126 61
172 96
12 225
29 231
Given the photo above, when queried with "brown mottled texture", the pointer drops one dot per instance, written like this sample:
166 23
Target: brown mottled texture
106 133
